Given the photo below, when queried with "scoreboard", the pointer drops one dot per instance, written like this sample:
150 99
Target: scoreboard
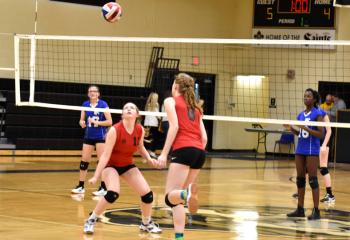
86 2
294 13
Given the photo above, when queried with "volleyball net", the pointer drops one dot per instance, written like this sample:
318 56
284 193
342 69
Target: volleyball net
240 80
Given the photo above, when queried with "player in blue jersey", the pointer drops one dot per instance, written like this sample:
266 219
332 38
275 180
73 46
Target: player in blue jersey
307 154
324 151
96 125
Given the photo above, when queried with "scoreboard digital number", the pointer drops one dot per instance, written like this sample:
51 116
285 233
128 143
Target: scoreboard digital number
294 13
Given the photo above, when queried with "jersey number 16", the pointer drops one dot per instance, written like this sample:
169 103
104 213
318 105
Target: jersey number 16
303 133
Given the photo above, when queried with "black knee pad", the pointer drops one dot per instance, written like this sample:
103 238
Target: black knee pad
84 165
313 181
324 171
301 182
148 198
111 196
167 202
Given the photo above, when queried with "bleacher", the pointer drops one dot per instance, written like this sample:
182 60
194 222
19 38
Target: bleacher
44 128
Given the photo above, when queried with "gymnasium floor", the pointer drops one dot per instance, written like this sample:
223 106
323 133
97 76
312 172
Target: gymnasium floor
240 199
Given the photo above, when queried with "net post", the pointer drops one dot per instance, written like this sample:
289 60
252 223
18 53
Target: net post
32 68
17 73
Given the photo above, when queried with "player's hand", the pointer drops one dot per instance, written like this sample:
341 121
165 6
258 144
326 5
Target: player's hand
82 124
93 180
288 127
324 149
144 160
302 127
161 162
153 162
92 121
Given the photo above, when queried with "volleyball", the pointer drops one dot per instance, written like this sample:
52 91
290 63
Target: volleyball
112 11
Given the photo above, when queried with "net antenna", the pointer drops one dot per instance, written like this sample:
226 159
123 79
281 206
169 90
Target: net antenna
36 17
248 71
32 55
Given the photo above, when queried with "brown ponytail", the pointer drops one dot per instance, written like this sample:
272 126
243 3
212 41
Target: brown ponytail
186 89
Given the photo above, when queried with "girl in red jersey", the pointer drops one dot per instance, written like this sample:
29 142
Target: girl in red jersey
324 152
122 141
187 138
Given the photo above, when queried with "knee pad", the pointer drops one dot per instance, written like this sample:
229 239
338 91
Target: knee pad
301 182
324 171
167 202
148 198
111 196
313 181
84 165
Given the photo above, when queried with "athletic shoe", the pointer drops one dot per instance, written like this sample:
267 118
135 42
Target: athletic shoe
299 212
192 198
89 226
78 190
328 199
151 227
295 195
100 192
315 215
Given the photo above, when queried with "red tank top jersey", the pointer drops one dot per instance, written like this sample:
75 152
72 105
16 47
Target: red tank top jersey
189 133
125 146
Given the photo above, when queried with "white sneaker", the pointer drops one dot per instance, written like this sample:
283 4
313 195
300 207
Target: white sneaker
100 192
151 227
192 198
89 226
78 190
328 199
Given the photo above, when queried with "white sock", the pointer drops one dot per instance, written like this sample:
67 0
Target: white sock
146 220
93 216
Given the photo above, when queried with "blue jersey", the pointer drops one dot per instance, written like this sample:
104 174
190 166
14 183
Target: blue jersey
322 112
91 131
307 143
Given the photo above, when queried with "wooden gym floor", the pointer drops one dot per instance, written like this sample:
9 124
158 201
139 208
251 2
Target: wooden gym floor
240 199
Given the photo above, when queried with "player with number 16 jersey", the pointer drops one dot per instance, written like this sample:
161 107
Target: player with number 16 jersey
307 143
